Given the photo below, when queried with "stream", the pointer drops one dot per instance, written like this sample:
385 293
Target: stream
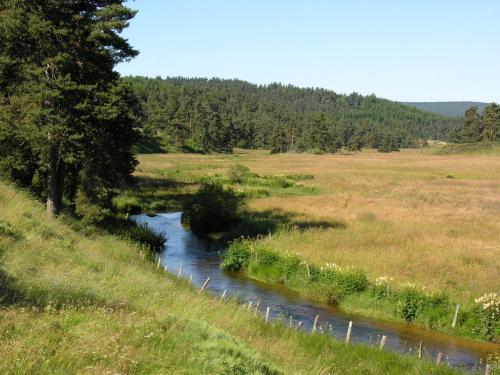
201 259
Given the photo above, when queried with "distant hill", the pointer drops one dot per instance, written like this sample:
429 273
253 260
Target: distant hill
209 115
447 108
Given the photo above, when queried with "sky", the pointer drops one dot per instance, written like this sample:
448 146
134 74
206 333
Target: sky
426 50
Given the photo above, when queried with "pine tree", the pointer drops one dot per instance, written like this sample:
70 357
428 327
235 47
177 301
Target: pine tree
473 127
60 98
491 123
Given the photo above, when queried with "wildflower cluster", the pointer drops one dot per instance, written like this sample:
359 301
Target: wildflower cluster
383 281
491 305
331 267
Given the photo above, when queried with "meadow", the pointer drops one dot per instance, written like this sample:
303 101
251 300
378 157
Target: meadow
425 218
76 301
413 215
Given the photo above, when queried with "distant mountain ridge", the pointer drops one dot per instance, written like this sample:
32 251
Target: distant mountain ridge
447 108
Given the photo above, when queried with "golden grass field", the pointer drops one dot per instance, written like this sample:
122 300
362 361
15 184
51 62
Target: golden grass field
433 220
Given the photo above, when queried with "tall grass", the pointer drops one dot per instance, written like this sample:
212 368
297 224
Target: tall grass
74 303
337 286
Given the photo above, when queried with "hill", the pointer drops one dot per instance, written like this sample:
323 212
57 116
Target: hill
217 115
447 108
86 303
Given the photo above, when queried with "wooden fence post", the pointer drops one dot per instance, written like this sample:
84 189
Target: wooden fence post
223 295
180 271
382 342
455 316
439 358
191 278
299 324
166 268
267 314
315 323
348 335
487 370
205 284
257 307
158 264
308 271
420 350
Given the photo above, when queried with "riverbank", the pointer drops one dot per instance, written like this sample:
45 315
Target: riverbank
351 290
74 303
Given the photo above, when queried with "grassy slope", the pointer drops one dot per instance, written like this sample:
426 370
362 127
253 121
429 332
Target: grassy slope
75 304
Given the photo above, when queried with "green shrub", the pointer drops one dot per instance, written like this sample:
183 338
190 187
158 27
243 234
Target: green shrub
351 282
410 304
212 209
144 235
90 213
487 316
238 173
237 256
289 266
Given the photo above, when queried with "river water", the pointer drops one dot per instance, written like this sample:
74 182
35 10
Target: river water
201 259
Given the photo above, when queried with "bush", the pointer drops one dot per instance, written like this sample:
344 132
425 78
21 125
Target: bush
238 173
89 212
212 209
237 256
413 302
487 312
351 282
144 235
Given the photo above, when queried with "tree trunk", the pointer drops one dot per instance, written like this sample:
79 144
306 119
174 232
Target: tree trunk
53 182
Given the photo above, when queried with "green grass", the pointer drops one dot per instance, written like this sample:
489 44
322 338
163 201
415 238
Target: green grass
350 289
482 148
75 303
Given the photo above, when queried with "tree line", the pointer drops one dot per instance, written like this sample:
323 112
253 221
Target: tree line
67 121
478 127
216 115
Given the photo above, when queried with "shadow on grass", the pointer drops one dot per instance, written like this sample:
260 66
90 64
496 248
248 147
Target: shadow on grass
13 292
259 223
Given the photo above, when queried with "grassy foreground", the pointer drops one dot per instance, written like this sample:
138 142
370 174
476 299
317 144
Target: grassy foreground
88 304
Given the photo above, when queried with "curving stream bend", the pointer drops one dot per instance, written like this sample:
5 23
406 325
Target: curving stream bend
202 259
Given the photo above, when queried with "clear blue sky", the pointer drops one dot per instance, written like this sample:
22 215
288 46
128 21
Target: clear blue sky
425 50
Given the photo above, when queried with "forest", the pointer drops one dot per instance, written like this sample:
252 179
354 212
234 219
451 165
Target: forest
216 115
479 127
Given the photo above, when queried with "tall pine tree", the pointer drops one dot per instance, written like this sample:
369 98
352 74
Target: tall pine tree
62 108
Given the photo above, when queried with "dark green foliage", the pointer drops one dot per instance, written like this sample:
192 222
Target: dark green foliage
142 234
479 128
67 123
212 209
217 115
388 144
